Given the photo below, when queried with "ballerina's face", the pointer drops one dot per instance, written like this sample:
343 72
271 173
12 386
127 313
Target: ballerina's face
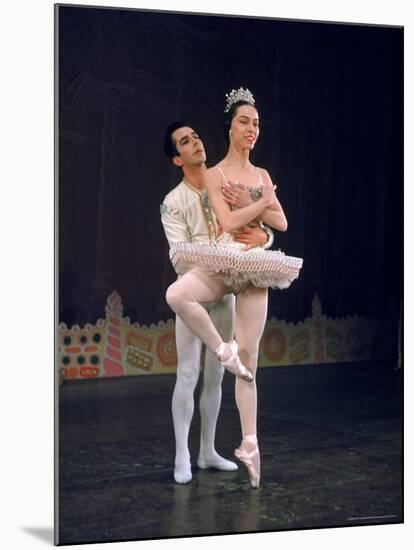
245 127
189 146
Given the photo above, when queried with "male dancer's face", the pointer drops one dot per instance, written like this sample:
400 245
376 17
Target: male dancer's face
189 146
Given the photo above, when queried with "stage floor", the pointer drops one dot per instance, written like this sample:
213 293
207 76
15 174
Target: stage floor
331 448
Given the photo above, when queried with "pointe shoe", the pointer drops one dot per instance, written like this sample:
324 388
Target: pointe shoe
252 462
233 363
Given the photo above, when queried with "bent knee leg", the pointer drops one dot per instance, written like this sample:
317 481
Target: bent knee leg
175 297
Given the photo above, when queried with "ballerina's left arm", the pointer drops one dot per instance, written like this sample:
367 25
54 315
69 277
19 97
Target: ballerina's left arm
273 215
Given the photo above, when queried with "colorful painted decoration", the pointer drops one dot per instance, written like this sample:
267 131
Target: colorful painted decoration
115 347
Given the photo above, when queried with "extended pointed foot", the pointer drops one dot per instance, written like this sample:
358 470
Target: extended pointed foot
228 355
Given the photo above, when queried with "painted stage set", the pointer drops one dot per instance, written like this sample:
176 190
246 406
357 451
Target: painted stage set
115 346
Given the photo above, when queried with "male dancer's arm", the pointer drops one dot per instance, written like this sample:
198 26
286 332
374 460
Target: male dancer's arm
174 223
254 235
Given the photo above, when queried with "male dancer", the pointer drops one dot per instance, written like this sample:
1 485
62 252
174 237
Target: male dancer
186 216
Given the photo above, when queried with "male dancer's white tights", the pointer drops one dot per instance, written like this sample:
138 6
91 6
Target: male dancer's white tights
186 297
188 370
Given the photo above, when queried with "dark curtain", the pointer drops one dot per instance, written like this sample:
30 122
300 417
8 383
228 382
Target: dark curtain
330 101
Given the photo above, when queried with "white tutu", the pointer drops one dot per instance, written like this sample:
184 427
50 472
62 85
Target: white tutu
262 268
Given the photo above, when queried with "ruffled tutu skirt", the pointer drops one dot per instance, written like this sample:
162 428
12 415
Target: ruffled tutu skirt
262 268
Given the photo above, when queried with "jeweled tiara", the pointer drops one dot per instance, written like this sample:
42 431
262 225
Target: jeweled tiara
238 95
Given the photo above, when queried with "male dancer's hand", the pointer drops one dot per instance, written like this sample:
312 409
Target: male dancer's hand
251 236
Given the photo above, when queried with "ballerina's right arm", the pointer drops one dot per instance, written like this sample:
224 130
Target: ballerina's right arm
232 220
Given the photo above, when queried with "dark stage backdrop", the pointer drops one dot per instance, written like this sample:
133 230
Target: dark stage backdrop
330 100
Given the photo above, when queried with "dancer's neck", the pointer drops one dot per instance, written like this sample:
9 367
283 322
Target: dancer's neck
237 157
194 175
